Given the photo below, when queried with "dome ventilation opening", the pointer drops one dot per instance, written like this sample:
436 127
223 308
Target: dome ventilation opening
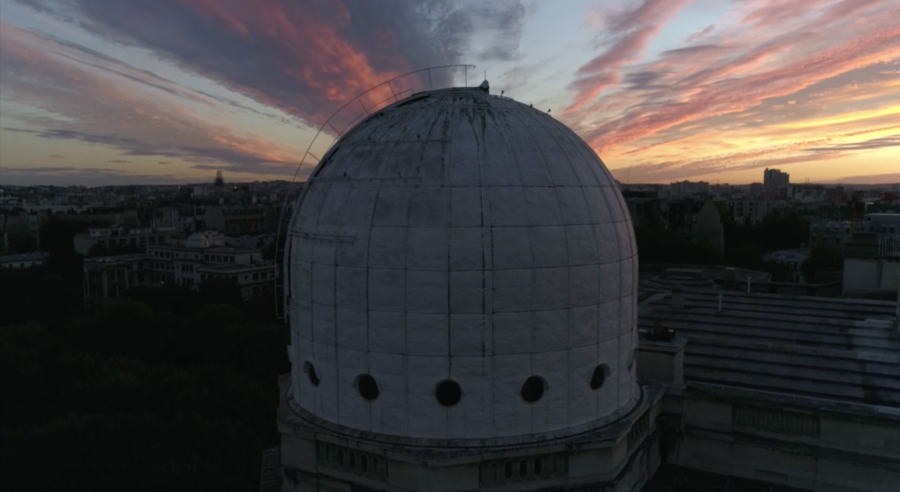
601 372
367 387
448 393
533 389
310 371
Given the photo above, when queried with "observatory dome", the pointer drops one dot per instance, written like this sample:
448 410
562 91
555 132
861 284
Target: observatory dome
462 266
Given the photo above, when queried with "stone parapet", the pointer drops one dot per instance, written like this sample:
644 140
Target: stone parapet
662 361
618 456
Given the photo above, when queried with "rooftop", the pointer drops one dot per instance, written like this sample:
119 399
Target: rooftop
236 268
835 349
33 256
210 250
101 260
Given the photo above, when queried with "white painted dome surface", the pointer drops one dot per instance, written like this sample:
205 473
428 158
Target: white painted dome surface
457 235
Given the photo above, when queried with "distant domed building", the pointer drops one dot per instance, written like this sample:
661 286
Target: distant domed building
461 280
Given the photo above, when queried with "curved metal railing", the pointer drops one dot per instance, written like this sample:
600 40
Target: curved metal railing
398 87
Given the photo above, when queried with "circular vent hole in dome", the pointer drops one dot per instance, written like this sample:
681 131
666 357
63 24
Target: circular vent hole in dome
310 371
599 376
533 389
367 386
448 393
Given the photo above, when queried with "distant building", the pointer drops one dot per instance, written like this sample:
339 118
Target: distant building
689 187
202 256
753 210
774 178
24 224
201 191
24 260
882 223
255 278
113 237
167 217
829 233
109 277
235 220
871 263
791 259
260 241
644 207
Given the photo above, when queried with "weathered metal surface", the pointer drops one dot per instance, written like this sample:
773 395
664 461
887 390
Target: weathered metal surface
812 346
489 244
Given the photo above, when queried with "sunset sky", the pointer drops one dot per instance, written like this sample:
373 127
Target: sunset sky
100 92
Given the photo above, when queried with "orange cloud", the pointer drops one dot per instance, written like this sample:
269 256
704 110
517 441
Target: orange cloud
781 78
631 30
311 48
730 93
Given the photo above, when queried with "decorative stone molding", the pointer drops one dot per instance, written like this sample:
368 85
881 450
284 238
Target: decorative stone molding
326 238
638 430
297 477
776 421
526 469
351 461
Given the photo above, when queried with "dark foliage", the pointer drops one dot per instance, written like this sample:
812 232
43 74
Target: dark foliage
21 243
170 389
100 249
822 259
745 244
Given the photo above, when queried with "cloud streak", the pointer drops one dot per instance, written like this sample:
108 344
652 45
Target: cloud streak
772 50
305 58
239 84
91 107
631 30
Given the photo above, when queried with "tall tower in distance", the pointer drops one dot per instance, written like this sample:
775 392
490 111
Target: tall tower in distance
774 178
219 184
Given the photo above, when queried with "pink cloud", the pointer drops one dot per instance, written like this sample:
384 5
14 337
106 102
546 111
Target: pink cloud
730 86
632 31
701 33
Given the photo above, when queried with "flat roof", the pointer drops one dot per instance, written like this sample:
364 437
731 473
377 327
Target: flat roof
236 268
33 256
212 249
115 259
834 349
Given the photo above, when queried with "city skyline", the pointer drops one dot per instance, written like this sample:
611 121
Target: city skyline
95 93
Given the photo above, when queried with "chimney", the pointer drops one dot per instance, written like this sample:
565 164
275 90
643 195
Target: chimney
677 299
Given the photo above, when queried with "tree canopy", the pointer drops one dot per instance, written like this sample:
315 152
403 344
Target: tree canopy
822 259
169 389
